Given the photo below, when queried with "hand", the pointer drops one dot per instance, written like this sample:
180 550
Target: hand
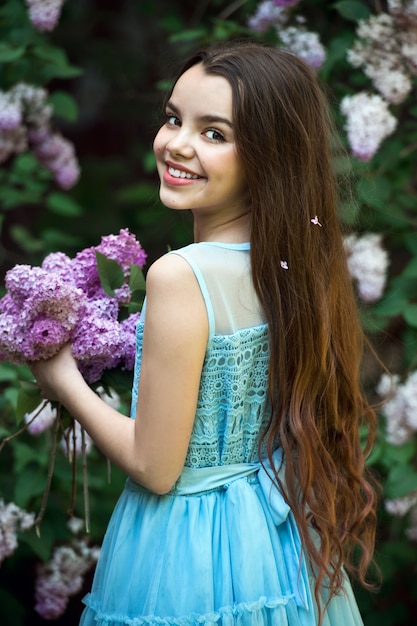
53 375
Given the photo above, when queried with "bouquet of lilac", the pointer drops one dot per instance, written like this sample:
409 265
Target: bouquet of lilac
91 301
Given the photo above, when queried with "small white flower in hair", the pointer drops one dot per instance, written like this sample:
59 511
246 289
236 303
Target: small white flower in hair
284 265
315 220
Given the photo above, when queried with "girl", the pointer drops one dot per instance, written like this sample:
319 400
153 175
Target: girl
247 491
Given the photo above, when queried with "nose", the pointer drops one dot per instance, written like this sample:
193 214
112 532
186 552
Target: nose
180 144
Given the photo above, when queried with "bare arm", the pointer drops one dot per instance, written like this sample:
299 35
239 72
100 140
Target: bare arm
151 449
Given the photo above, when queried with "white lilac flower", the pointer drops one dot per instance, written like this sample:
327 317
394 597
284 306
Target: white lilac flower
62 576
10 111
379 52
43 417
67 442
404 12
400 408
408 44
12 141
44 14
33 101
112 398
367 262
368 123
267 14
12 520
75 524
411 531
399 507
304 44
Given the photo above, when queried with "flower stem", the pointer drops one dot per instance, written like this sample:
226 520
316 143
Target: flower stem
52 457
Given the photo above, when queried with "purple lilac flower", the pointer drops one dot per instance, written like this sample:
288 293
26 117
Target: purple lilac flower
128 331
39 313
123 248
62 577
285 4
57 155
44 14
97 345
267 14
63 301
12 520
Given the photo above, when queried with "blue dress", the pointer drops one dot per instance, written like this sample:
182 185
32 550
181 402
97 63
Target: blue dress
222 548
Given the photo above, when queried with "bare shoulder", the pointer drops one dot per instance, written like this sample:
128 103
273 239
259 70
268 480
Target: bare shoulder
171 273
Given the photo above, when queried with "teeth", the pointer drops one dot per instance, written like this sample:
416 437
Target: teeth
180 174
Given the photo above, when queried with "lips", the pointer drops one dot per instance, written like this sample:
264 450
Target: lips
178 175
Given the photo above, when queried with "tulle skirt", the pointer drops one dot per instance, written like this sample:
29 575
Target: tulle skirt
221 550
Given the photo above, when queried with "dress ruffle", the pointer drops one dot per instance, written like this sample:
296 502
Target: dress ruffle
226 557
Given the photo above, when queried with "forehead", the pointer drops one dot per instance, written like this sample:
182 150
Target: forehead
195 89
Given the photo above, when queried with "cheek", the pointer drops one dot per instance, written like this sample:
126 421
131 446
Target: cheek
159 143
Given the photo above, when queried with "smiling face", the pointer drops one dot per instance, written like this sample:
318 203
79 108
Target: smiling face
195 150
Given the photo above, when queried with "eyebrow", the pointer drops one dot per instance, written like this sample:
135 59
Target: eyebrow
207 119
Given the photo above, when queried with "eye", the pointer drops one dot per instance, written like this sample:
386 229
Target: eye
172 120
214 135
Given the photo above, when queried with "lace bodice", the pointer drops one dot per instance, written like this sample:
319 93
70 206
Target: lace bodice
232 408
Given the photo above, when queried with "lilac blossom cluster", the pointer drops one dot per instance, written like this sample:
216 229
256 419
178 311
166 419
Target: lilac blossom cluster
400 407
387 56
297 39
44 14
62 576
386 50
368 123
405 505
368 263
25 124
63 301
12 520
303 43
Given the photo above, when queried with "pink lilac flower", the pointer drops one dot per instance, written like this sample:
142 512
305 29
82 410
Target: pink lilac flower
12 520
44 14
399 507
128 331
62 577
43 417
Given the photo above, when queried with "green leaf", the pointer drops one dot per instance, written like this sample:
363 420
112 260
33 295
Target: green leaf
136 279
410 314
352 10
402 480
9 53
62 204
391 305
410 270
28 399
64 106
110 273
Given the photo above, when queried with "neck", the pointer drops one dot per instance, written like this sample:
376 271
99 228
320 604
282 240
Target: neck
236 230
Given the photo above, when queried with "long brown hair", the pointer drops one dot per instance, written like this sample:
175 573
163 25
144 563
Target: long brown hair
282 131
